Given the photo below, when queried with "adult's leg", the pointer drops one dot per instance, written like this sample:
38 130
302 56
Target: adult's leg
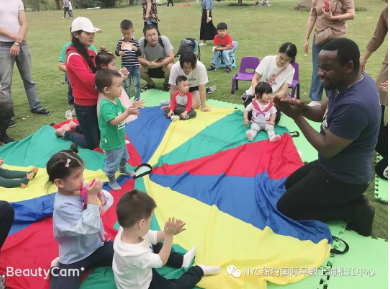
186 281
70 91
195 99
316 85
64 12
23 62
320 196
69 13
145 76
6 218
7 68
167 72
226 57
87 117
247 102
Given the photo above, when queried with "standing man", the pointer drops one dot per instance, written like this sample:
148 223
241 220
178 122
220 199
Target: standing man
331 188
14 48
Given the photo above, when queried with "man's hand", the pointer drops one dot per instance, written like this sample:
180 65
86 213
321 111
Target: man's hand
306 46
15 50
19 38
205 109
122 53
291 107
246 122
170 113
363 65
184 114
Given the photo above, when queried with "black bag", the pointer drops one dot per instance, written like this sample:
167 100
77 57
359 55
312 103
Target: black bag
187 45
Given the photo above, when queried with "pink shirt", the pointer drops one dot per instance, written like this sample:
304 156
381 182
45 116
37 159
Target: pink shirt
9 17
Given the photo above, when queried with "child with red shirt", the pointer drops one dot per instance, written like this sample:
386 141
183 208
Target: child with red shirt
223 44
181 102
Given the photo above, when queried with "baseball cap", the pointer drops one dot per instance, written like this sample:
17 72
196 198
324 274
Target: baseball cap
84 24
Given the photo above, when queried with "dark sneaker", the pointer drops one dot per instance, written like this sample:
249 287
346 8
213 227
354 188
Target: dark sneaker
228 69
42 111
4 138
11 123
211 68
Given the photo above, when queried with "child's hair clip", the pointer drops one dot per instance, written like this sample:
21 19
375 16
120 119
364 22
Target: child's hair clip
67 163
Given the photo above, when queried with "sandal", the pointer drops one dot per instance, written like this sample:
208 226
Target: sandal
167 86
148 86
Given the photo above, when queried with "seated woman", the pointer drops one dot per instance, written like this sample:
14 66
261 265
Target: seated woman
276 71
196 73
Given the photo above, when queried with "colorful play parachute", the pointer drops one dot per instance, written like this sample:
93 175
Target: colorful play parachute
204 172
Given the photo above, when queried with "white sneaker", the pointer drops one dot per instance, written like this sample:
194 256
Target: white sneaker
202 44
175 117
164 102
74 112
314 103
68 114
212 88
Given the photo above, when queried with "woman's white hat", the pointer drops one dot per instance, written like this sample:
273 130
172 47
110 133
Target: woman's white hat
84 24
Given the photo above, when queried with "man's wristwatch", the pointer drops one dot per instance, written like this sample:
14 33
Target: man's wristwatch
16 43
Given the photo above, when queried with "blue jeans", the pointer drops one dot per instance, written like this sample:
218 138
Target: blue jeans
316 88
87 117
136 76
114 159
70 92
224 54
23 62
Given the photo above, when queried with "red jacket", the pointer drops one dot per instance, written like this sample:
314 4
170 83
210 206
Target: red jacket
81 78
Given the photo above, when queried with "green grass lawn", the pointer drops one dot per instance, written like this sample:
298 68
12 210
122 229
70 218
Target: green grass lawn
259 32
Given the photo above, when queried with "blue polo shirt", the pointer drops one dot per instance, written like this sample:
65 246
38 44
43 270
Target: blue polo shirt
353 114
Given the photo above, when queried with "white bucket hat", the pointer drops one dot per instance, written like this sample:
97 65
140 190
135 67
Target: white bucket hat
84 24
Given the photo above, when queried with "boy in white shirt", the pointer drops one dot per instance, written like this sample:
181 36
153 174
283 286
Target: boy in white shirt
138 250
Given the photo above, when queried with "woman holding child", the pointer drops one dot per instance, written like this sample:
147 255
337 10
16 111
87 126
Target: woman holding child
81 68
277 71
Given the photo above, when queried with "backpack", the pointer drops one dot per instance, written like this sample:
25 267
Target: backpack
159 41
187 45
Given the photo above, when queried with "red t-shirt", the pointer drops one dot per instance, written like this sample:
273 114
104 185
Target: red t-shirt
223 42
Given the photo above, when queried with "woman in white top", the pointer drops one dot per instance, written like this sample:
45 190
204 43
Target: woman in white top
275 70
196 73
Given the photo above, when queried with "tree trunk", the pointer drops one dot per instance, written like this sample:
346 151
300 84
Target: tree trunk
239 2
58 6
131 2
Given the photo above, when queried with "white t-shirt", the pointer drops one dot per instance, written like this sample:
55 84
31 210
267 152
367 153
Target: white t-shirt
132 264
267 68
260 116
9 17
196 76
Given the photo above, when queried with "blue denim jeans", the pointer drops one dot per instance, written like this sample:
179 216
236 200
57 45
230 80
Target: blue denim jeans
136 76
316 88
70 92
114 159
223 54
23 62
87 117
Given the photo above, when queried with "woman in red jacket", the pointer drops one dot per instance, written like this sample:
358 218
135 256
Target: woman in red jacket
80 66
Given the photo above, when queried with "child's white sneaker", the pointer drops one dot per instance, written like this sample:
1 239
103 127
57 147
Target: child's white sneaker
68 114
202 44
175 117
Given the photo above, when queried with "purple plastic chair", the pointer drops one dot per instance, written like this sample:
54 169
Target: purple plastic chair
249 62
295 84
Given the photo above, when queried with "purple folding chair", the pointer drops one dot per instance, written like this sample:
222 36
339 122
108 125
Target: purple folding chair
248 62
295 84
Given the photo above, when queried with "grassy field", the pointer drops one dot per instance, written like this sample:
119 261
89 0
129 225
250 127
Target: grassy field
259 32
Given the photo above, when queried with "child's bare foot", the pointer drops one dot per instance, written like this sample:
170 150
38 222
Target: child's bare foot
31 174
275 138
72 126
249 135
